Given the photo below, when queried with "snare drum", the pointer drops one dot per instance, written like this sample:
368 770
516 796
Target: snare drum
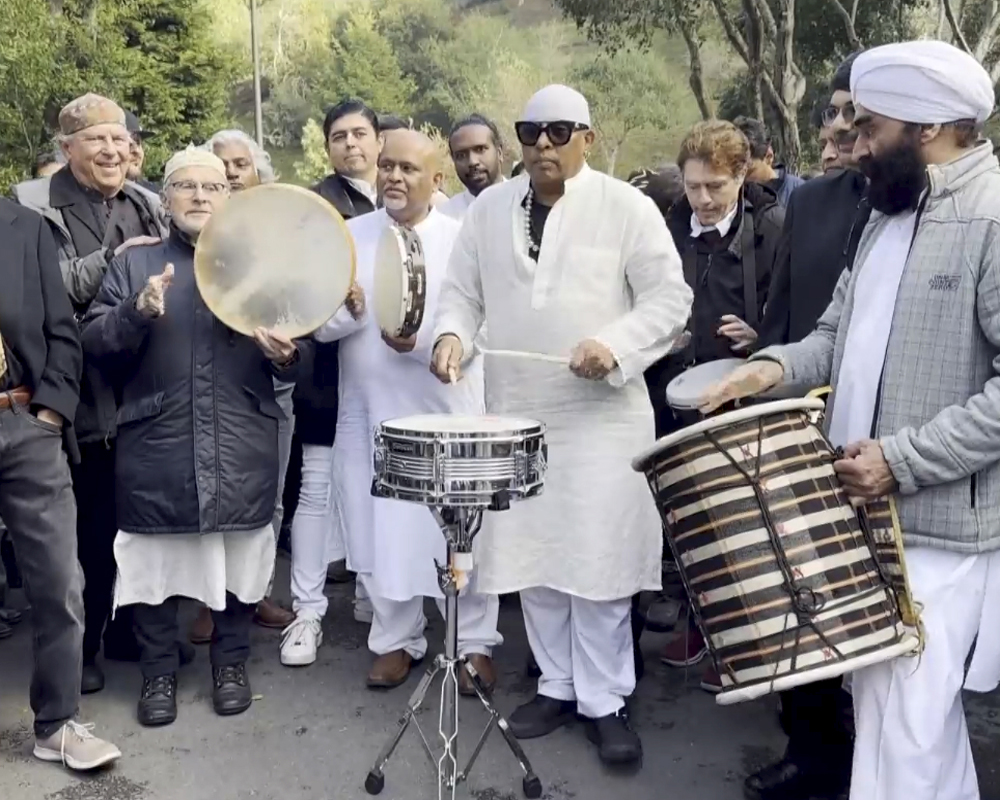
782 578
454 461
400 282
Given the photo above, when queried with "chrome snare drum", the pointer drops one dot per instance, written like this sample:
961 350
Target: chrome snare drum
455 461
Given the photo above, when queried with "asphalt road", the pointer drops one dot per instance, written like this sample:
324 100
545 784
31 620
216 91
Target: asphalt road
313 733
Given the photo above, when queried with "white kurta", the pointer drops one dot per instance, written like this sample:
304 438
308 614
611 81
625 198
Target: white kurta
457 205
608 270
394 542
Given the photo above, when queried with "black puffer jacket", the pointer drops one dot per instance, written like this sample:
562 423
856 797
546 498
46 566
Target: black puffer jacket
198 423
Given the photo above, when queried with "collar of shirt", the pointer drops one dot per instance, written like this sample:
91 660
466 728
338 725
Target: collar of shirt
362 186
722 226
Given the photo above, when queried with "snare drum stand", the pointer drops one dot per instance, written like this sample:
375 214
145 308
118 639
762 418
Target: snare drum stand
460 526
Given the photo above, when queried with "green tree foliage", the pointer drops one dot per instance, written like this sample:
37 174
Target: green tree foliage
154 57
314 163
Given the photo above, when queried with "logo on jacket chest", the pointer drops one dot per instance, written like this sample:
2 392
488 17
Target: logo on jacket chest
944 283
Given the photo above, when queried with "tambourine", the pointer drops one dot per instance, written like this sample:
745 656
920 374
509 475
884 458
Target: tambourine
400 282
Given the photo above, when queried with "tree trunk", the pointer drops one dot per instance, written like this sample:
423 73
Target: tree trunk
696 79
755 43
613 159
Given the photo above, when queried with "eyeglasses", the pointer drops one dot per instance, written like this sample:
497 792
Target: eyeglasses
558 133
830 114
190 188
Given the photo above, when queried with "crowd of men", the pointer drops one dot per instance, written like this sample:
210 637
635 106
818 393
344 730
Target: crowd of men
144 446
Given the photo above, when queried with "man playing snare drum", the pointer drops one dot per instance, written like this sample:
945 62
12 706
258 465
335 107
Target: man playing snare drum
565 261
911 345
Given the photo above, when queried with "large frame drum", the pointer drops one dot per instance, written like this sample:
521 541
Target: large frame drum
783 579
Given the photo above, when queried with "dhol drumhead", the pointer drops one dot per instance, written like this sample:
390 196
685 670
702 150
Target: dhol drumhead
399 282
641 461
684 391
459 423
275 256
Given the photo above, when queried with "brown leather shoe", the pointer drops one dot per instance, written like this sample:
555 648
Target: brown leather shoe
270 615
390 670
202 628
484 668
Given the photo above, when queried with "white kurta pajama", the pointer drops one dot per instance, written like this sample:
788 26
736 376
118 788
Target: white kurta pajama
608 270
393 545
911 740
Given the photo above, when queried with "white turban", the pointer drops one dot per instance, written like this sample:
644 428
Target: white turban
924 82
557 103
194 157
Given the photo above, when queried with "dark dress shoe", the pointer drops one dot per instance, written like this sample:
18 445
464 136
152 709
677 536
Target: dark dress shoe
158 702
540 716
10 616
483 665
203 627
787 780
91 679
231 693
270 615
616 742
337 572
390 670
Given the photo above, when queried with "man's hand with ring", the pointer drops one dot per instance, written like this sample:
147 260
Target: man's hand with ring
592 360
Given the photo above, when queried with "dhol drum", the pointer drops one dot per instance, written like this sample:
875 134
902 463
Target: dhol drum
400 282
784 579
454 461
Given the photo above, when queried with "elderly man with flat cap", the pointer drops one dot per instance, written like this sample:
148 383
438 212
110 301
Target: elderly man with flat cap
565 261
94 214
197 457
911 345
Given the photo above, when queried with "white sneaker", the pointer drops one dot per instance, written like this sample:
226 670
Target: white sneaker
75 746
300 641
363 611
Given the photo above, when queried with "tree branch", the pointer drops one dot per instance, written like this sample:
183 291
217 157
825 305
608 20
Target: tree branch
735 37
696 72
846 16
988 36
956 29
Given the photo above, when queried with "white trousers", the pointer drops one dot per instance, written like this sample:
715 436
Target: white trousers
316 540
399 625
912 742
583 648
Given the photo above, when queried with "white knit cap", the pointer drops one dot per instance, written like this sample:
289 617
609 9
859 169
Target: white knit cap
194 157
557 103
924 82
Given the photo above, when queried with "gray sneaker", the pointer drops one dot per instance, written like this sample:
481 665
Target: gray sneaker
75 746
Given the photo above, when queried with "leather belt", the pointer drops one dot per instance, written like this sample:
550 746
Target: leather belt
19 394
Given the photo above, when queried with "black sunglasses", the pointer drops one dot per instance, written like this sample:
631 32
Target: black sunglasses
558 133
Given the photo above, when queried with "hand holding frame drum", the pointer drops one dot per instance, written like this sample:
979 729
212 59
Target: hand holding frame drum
277 257
400 284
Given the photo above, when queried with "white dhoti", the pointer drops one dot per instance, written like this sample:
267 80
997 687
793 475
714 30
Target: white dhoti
399 625
912 742
583 648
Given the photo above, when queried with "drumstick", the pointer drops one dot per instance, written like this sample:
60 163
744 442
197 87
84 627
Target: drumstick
524 354
452 375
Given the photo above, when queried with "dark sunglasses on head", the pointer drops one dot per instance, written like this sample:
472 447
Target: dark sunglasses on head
830 114
558 133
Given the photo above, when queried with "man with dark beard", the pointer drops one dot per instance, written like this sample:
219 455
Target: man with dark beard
823 223
477 153
911 345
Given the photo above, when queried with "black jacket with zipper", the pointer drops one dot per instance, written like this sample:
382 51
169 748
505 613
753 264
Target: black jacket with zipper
198 423
714 269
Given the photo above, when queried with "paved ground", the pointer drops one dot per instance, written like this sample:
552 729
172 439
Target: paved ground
312 734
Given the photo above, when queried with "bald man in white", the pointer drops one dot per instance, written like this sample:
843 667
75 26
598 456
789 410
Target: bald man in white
911 345
604 289
393 545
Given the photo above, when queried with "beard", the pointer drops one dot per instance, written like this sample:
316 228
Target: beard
896 178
